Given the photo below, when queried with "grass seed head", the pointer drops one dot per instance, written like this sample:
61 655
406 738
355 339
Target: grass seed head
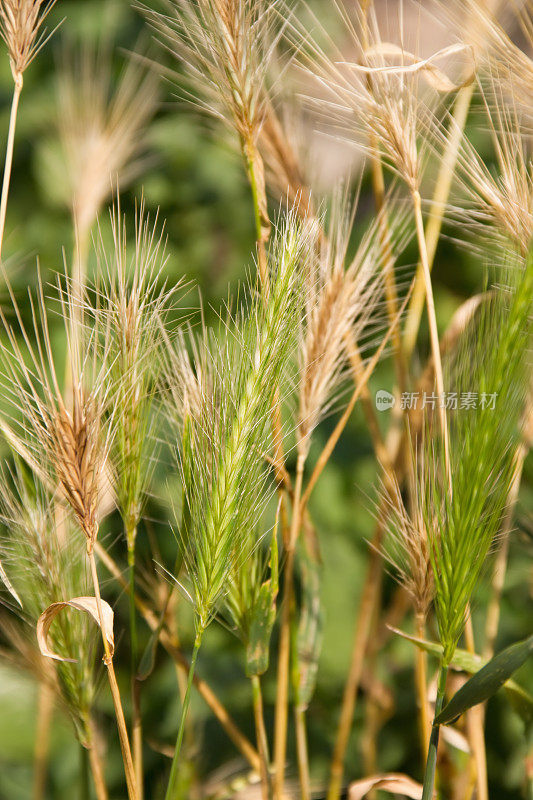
67 434
344 298
222 455
463 520
133 305
21 29
225 48
102 127
502 200
406 547
382 98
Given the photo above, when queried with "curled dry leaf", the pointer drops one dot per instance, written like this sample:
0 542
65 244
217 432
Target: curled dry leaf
435 77
87 604
393 782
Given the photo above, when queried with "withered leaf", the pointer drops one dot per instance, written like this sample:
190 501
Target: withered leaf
87 604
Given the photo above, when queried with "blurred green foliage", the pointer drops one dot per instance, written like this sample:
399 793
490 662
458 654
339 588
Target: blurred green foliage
195 180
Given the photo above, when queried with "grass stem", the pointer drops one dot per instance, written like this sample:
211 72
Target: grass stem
9 155
113 685
421 687
431 763
136 732
171 793
363 626
259 204
432 319
282 694
436 213
261 737
476 734
95 762
500 563
302 752
85 789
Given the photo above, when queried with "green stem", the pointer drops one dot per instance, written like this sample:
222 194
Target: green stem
431 763
133 611
171 794
84 774
136 734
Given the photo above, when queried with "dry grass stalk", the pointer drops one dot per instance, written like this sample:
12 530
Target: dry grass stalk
73 442
133 307
340 299
300 501
20 28
402 125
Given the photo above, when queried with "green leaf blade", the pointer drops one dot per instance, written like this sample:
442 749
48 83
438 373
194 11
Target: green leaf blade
487 681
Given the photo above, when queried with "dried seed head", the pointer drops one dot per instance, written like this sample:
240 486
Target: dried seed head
502 200
134 304
500 51
342 300
74 439
225 47
20 28
375 97
102 127
69 440
406 546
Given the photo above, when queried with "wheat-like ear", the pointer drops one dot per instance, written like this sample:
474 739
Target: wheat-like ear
70 441
102 126
133 306
226 424
225 47
21 29
497 51
406 545
463 519
502 200
344 300
377 93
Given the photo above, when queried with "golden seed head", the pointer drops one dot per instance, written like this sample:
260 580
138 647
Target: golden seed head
20 23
